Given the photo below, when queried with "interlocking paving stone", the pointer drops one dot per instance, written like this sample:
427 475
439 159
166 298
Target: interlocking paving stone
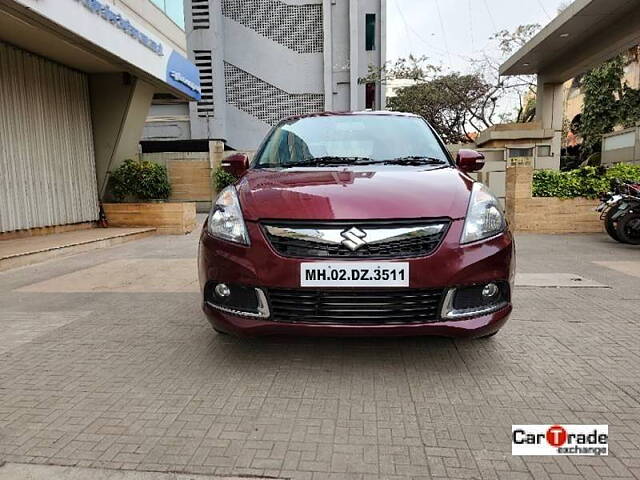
136 380
14 471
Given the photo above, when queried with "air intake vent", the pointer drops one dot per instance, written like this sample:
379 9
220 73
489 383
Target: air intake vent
355 306
200 14
205 66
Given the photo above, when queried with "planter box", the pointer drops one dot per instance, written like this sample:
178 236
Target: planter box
190 180
547 214
556 215
167 218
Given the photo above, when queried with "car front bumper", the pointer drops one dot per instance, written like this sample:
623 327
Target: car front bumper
451 265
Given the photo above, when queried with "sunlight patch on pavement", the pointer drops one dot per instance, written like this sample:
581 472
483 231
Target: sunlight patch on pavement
146 275
628 268
19 328
556 280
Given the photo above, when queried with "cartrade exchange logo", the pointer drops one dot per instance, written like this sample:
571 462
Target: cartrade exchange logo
560 439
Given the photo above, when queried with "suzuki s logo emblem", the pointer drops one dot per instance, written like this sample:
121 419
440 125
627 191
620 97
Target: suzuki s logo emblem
353 238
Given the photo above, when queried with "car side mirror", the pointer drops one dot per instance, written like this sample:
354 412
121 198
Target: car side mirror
236 164
469 160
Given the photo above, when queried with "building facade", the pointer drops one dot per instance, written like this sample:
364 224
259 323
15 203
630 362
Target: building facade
263 60
77 78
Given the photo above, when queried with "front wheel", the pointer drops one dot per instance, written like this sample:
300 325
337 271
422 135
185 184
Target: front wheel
628 228
610 225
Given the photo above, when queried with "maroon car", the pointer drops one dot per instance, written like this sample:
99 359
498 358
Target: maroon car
356 224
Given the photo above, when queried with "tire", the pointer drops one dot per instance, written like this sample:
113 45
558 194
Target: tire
490 335
610 226
628 228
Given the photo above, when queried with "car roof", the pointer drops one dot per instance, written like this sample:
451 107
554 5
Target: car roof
385 113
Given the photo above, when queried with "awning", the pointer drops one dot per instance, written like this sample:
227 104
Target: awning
583 36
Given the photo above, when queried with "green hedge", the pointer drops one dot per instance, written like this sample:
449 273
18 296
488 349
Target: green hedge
583 182
140 180
222 179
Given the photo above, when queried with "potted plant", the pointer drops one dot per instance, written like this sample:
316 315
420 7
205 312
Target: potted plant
141 189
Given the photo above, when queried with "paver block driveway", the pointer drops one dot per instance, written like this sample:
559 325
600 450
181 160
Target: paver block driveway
97 371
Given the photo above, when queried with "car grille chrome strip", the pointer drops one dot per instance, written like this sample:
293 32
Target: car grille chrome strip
358 240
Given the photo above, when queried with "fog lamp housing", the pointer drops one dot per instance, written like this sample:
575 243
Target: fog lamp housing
237 299
475 300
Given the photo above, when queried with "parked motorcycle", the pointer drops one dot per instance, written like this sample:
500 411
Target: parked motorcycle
622 203
628 225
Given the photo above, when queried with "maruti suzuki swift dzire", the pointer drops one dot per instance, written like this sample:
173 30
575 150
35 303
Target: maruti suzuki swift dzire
356 224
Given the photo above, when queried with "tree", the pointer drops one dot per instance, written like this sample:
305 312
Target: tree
451 103
603 90
509 41
463 103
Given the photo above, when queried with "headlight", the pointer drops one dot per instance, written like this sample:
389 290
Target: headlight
225 218
484 216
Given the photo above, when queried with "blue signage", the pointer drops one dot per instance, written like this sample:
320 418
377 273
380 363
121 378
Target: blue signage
118 21
183 75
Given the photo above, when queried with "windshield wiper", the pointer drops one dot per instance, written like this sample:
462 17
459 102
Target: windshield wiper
330 160
415 160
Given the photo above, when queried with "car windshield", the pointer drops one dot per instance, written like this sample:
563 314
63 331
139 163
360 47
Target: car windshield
351 139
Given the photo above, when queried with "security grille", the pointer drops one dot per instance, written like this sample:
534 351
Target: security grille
264 101
47 160
298 27
200 14
205 66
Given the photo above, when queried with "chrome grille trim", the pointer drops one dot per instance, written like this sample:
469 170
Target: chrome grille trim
332 236
331 240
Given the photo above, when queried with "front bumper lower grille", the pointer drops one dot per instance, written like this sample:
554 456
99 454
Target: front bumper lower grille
355 307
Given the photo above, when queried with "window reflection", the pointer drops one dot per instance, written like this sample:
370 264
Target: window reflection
174 9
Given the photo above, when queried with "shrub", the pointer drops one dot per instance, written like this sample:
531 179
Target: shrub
223 179
140 180
583 182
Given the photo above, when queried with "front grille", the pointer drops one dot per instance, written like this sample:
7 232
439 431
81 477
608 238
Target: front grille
355 307
417 246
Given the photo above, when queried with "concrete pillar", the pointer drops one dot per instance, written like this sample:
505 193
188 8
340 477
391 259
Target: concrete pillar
518 189
119 107
383 51
550 114
327 55
216 154
207 41
353 55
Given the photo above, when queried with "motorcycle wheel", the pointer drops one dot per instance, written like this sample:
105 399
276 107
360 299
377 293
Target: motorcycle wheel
628 228
610 226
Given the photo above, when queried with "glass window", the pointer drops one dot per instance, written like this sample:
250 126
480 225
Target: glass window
544 151
370 27
376 137
370 96
174 9
520 152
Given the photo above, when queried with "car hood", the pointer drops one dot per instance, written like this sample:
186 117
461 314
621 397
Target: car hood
354 193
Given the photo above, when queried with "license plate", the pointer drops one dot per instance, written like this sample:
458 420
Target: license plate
360 274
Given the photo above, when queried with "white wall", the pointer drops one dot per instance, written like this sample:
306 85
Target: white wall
331 72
